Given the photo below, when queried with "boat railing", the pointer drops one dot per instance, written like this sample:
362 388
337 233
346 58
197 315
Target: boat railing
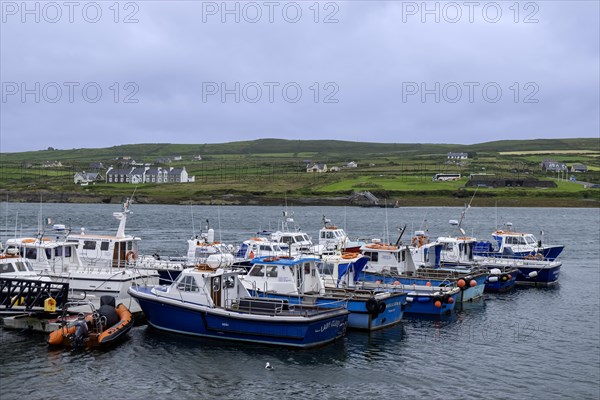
259 305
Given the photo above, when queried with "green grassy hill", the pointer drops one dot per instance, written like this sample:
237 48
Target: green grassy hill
324 148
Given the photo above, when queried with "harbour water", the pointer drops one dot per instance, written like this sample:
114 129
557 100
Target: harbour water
531 343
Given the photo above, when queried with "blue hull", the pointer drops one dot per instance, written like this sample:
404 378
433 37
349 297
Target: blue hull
425 305
549 254
501 286
465 295
302 333
359 317
545 276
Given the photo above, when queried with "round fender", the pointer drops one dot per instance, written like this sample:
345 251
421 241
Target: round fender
381 308
372 306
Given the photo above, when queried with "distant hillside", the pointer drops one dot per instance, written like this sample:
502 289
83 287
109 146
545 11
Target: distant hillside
148 151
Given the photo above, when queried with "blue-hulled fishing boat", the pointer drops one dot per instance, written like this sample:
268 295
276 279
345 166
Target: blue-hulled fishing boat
214 304
509 244
394 263
344 271
298 281
501 280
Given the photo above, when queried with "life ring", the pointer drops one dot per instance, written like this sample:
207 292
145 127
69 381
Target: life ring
539 257
349 255
130 257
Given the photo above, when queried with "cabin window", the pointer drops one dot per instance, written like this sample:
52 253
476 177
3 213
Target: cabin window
323 235
89 245
306 268
448 246
300 238
129 245
287 239
257 270
373 255
58 252
6 268
329 235
104 246
21 266
48 253
188 284
326 268
31 254
265 248
272 271
530 240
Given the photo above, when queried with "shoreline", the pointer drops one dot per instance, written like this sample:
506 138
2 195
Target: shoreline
254 200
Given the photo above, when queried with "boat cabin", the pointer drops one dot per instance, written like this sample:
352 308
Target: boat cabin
45 254
388 258
108 251
205 286
457 250
285 275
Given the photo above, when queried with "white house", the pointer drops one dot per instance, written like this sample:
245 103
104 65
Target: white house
86 177
118 175
458 156
316 167
351 164
138 175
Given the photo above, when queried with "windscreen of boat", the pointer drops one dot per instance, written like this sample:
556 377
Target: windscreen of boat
6 268
530 239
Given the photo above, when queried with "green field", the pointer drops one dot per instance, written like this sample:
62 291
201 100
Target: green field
269 170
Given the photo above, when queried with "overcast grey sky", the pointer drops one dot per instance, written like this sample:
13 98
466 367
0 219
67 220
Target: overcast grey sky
98 74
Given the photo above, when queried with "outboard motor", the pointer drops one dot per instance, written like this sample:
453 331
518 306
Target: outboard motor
81 332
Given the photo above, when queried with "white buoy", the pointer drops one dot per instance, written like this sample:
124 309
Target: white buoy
495 271
493 279
409 299
533 274
210 238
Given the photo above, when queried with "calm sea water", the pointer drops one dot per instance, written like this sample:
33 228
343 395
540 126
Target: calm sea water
532 343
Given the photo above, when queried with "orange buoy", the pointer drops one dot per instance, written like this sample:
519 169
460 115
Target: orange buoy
509 276
450 300
461 283
438 303
473 283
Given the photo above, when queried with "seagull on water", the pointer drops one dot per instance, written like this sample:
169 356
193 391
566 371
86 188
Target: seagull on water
268 366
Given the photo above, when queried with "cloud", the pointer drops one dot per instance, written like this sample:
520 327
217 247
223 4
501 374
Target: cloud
180 74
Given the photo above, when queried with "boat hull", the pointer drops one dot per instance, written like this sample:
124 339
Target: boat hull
546 276
502 283
467 294
424 304
184 318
